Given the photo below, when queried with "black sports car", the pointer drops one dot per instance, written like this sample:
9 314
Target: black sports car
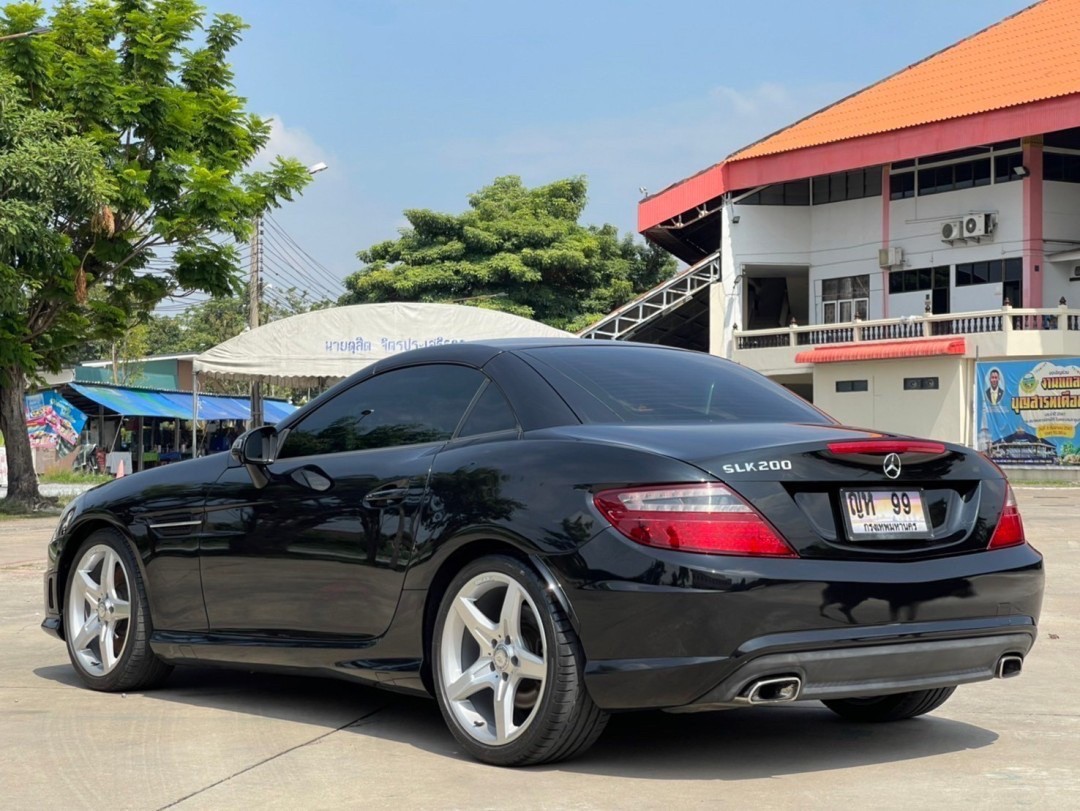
540 533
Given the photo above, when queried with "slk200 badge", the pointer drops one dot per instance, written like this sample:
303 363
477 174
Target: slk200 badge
755 467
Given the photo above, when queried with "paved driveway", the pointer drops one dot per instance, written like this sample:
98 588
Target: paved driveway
215 739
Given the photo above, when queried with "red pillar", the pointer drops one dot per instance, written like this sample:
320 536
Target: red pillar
885 197
1033 222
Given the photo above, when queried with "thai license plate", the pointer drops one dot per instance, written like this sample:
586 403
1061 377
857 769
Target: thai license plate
884 514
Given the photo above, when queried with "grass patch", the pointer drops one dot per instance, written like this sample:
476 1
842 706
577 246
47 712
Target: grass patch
46 508
74 477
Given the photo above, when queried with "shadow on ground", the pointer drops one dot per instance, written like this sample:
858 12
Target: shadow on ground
734 745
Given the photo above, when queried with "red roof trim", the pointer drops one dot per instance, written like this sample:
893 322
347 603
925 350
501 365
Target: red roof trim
883 350
1036 118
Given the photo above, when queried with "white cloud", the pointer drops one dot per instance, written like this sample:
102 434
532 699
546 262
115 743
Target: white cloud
290 142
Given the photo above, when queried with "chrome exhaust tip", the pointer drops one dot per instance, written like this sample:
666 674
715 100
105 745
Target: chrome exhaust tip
779 690
1009 665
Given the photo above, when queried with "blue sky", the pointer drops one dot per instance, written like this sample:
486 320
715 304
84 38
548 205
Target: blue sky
417 103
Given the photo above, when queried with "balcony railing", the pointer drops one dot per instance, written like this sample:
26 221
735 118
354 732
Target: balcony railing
1007 319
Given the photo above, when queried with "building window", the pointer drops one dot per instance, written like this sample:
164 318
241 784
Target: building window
920 383
953 176
995 271
949 171
902 185
795 193
852 385
1004 165
1061 167
845 299
909 281
840 186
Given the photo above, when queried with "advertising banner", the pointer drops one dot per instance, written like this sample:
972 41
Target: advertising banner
1029 411
53 422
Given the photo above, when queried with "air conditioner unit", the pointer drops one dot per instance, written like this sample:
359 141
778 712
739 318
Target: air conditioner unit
952 230
890 258
978 225
1076 272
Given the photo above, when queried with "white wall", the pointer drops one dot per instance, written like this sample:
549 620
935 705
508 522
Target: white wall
1061 230
771 235
976 297
942 413
913 303
915 224
1061 211
844 241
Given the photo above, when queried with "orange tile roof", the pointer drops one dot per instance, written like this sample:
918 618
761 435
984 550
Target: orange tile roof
1030 56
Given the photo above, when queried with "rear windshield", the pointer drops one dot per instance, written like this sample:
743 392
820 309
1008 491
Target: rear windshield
641 384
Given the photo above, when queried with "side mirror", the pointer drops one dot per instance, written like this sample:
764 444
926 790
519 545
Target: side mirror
257 447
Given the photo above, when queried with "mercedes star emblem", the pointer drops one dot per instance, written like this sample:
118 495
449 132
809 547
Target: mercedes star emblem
892 465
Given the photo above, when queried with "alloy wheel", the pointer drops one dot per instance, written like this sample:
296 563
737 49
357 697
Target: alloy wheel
493 663
99 610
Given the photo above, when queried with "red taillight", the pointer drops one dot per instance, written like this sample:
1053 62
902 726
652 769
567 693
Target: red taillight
1010 528
884 446
691 518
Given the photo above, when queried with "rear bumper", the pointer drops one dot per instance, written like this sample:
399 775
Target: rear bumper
872 671
672 629
873 661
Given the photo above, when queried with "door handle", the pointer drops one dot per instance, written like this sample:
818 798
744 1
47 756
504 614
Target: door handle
385 496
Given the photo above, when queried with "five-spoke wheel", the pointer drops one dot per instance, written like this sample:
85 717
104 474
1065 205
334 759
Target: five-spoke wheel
106 621
507 668
99 610
492 654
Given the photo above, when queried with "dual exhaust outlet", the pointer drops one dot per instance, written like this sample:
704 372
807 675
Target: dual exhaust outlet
783 689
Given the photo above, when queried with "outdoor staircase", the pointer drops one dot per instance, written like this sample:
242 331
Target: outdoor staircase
652 305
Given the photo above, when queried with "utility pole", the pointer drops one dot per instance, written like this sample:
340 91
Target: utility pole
254 285
254 294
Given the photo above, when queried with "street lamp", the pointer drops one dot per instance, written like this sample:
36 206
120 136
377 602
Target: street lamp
253 299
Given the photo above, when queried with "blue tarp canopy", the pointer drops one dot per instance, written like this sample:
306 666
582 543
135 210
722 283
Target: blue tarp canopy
178 404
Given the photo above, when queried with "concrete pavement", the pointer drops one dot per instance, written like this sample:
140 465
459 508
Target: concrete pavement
217 739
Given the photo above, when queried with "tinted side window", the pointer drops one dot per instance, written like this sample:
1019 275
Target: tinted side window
400 407
491 413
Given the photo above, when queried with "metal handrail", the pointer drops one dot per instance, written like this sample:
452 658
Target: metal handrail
665 297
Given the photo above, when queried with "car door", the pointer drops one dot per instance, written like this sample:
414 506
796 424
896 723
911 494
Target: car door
323 547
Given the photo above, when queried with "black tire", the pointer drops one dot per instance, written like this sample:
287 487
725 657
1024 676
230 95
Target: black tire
890 708
132 664
563 722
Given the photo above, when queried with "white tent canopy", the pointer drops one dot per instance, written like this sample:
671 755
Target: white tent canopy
323 345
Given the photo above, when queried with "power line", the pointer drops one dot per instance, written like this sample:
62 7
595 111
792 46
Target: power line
318 267
276 226
274 262
305 271
286 265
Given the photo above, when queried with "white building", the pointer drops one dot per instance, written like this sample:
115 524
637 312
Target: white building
922 223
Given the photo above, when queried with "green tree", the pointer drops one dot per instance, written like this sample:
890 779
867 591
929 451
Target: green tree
515 249
122 141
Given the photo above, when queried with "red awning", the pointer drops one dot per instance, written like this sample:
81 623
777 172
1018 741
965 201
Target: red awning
883 350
